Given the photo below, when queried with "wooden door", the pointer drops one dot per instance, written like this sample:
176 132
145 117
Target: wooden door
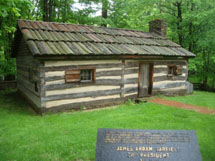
145 79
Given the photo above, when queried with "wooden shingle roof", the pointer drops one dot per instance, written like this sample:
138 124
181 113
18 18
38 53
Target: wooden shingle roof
50 38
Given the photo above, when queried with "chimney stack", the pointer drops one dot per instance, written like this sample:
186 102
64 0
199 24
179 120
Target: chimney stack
158 26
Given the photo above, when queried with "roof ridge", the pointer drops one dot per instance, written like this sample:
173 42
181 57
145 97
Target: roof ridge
112 28
146 35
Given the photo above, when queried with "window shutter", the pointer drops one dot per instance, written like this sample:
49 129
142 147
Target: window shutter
72 75
179 70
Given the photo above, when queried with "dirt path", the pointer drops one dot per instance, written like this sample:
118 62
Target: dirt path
199 109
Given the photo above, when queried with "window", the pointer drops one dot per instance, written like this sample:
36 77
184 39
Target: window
174 70
80 75
86 75
171 70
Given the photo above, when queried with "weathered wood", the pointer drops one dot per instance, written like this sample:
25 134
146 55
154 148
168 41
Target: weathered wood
28 85
72 75
89 105
122 86
23 48
78 100
165 70
93 94
161 70
167 85
109 73
31 96
131 90
176 62
97 66
163 78
169 92
131 64
47 79
151 81
112 82
131 81
107 57
69 62
130 71
33 105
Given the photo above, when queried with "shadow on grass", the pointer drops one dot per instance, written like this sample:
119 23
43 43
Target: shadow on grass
12 102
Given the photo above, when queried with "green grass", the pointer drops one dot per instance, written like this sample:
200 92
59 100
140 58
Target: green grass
25 136
198 98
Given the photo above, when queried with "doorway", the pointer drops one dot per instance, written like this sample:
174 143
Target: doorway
145 79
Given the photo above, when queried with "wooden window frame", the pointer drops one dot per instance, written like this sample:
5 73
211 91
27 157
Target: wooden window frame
74 75
177 70
173 66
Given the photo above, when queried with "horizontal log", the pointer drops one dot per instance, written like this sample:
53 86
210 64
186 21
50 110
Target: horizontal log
131 90
98 75
112 82
131 64
109 73
47 79
159 86
165 70
97 66
161 70
78 100
27 84
131 81
131 71
170 92
91 88
163 78
93 94
176 62
23 73
31 96
108 82
34 67
89 105
35 107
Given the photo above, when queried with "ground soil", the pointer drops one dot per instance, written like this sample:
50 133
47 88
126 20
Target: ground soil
199 109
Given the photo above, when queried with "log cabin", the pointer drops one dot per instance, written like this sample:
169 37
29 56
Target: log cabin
67 66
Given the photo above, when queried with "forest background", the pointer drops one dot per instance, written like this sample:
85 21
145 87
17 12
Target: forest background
191 23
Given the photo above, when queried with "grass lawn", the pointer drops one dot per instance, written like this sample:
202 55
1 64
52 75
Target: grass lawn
198 98
72 136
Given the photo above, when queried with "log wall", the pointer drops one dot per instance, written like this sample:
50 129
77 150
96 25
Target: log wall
116 80
108 87
29 76
162 84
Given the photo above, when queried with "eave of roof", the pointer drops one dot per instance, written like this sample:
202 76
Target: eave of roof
54 39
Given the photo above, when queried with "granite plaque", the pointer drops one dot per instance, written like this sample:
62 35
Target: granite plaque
147 145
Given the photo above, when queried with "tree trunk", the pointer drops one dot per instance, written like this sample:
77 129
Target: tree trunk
45 10
191 30
104 11
179 17
50 8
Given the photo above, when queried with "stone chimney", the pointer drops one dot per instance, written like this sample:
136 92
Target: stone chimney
158 26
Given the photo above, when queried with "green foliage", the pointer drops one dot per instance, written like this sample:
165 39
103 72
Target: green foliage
72 136
10 10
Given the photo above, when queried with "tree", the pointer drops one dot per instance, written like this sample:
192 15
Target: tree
10 11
